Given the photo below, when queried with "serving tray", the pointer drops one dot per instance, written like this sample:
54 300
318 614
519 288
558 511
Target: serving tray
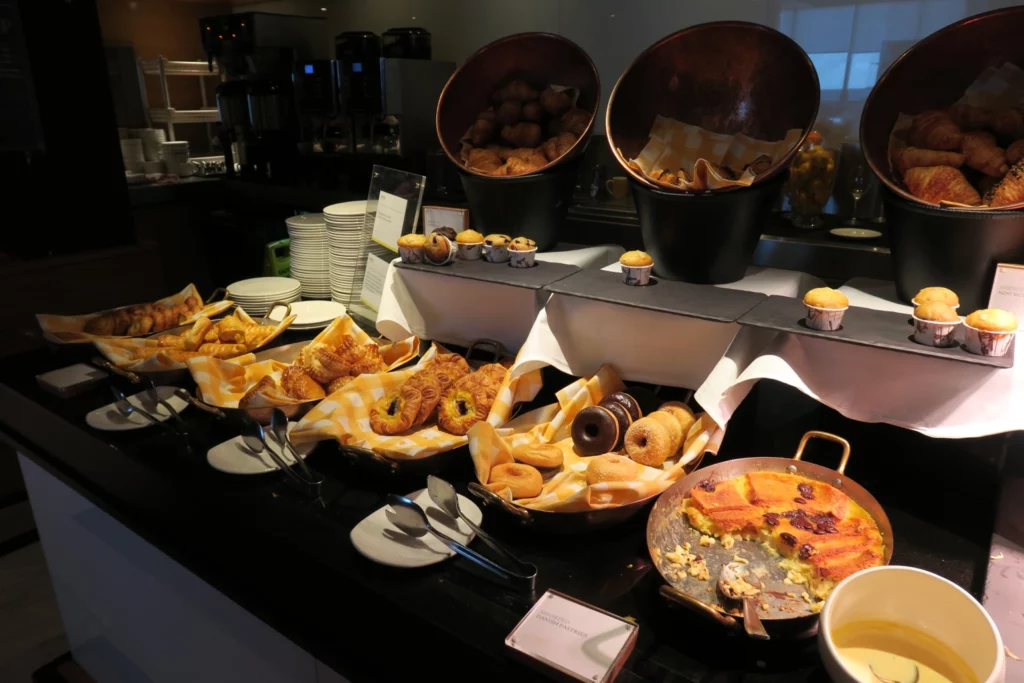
538 277
665 296
864 327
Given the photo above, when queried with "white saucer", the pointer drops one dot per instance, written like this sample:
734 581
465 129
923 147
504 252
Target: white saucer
855 233
377 539
233 457
109 420
311 313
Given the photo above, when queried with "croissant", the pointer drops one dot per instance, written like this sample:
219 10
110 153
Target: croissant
261 389
1015 152
298 384
940 183
1010 190
517 166
1009 122
935 130
534 156
558 145
912 157
484 160
983 154
969 117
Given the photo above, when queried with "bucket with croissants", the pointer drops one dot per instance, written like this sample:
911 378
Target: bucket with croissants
944 131
515 119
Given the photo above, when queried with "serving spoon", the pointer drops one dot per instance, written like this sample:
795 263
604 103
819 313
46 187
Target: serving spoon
279 425
732 573
125 408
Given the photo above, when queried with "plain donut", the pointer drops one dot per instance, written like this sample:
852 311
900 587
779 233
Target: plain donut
610 468
524 481
675 430
538 455
648 442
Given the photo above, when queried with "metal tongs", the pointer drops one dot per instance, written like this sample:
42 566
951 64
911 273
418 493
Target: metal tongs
255 440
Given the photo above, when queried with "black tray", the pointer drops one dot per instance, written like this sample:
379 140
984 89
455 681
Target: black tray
865 327
665 296
541 275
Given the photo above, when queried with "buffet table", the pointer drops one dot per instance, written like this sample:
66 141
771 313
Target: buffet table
168 570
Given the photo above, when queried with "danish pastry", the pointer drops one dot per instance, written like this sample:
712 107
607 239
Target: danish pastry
195 337
395 411
648 442
258 390
338 383
610 467
222 350
522 480
462 407
542 455
426 383
298 384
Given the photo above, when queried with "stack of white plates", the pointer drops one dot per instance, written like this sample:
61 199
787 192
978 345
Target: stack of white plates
311 260
256 295
175 157
346 239
311 315
132 155
152 139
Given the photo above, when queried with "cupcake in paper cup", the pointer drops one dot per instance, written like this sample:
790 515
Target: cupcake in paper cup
521 252
496 248
410 247
636 268
470 245
825 308
438 250
936 295
990 331
935 324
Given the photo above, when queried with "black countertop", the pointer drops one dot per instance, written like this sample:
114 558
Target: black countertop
374 623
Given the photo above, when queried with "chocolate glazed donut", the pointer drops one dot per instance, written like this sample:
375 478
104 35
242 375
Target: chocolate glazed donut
595 430
626 401
621 416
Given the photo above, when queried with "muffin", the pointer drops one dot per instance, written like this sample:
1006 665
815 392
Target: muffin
990 331
496 248
522 251
825 308
940 295
470 245
935 324
438 249
446 231
636 267
410 247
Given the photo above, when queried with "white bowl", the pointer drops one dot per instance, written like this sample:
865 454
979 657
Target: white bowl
920 599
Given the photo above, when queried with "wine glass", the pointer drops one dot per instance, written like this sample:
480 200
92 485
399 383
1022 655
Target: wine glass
858 186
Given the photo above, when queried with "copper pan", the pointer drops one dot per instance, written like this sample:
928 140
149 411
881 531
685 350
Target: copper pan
540 59
934 74
782 615
727 77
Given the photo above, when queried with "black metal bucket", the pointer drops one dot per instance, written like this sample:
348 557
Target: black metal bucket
704 238
954 248
533 206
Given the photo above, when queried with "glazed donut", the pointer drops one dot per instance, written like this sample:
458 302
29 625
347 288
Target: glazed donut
681 412
623 418
595 431
524 481
671 424
610 468
648 442
627 402
538 455
394 412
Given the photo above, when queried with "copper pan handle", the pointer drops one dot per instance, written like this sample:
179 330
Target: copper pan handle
694 605
814 434
489 497
218 294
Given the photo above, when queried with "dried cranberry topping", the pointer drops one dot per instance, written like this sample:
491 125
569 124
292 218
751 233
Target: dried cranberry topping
800 500
707 485
790 539
772 518
806 550
790 514
806 491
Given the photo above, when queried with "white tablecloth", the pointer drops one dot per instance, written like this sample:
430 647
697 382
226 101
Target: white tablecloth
578 336
457 311
935 397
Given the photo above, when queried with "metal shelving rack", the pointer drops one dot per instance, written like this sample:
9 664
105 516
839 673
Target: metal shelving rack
168 115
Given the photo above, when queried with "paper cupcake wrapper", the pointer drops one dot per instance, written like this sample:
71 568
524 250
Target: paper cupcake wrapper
935 333
986 343
470 252
522 259
638 276
411 254
825 319
495 254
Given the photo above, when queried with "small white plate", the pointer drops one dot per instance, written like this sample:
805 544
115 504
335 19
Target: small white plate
109 420
311 313
233 457
377 539
855 233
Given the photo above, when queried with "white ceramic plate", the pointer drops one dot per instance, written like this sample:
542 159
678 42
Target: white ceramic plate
377 539
311 313
855 233
346 208
109 420
233 457
262 287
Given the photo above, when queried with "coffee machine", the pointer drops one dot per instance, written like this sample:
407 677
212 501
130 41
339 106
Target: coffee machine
256 53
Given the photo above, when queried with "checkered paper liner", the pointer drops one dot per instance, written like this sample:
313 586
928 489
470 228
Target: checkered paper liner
345 414
676 145
121 352
567 490
223 383
70 329
994 88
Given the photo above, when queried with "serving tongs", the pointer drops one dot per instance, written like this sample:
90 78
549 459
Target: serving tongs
304 479
412 520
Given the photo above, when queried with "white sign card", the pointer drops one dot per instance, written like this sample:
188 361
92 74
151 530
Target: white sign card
573 638
373 280
1008 289
387 226
435 217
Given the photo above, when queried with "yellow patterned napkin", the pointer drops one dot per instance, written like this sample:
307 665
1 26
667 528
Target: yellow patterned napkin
223 383
70 329
122 352
676 145
345 414
567 490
